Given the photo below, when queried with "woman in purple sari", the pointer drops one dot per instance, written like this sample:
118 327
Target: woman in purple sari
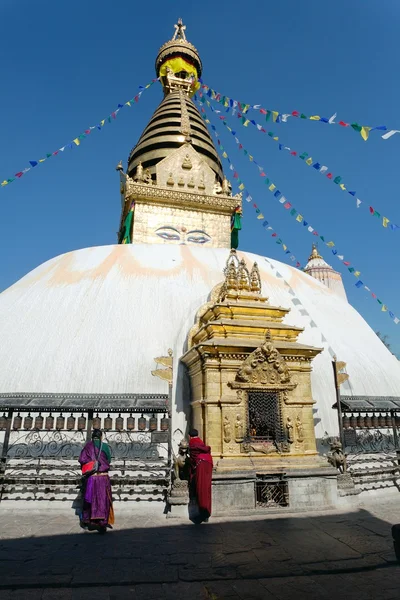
97 512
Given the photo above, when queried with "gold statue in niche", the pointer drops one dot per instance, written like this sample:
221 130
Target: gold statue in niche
227 430
238 429
299 429
289 430
187 163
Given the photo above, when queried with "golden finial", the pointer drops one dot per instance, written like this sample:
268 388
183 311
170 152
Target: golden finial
314 253
179 31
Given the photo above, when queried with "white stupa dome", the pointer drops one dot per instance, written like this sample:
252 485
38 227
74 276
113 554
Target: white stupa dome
93 320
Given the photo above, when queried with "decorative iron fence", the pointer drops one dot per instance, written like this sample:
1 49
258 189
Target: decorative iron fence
271 492
41 439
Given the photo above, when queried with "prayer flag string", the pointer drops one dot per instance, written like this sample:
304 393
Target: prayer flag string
279 117
79 139
240 184
299 218
309 161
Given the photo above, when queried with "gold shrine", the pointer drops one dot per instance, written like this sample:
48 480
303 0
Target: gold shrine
250 378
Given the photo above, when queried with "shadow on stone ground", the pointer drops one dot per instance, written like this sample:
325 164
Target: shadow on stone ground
346 554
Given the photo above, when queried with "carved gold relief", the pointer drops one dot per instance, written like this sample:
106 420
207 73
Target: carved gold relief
264 366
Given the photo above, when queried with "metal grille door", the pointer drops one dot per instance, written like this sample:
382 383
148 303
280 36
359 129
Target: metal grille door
264 422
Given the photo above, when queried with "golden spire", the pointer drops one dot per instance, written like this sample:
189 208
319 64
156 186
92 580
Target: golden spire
179 31
314 253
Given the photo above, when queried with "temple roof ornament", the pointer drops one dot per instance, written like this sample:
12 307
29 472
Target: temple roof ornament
180 29
319 269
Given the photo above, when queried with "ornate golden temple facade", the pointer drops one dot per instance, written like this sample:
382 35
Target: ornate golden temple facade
251 386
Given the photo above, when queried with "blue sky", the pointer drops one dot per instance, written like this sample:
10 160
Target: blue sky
67 65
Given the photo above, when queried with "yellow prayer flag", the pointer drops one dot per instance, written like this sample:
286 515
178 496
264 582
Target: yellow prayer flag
42 159
246 108
330 244
228 128
241 186
207 121
3 183
260 216
342 186
276 139
251 158
315 118
309 161
365 132
102 122
275 114
357 273
299 218
127 103
224 154
246 123
76 141
272 187
147 86
385 221
284 247
384 308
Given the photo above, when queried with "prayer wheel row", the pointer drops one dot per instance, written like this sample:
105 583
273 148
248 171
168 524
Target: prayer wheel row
72 423
370 422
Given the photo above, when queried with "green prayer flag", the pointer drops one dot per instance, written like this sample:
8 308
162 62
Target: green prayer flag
337 179
293 212
303 116
267 181
321 237
268 115
356 127
126 231
234 239
351 269
304 155
48 155
376 214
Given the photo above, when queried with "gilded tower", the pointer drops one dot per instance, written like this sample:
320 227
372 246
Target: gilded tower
318 268
174 190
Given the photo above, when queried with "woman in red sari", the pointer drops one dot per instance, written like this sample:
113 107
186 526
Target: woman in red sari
201 466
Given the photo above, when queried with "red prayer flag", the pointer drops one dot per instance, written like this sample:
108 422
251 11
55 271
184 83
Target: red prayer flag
240 146
297 264
329 176
87 131
287 205
19 174
345 262
315 233
373 295
295 113
274 235
55 153
263 130
114 116
343 124
255 205
294 153
136 98
262 174
239 115
263 111
371 210
236 175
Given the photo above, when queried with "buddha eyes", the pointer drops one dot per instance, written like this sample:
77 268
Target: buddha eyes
172 234
168 233
198 237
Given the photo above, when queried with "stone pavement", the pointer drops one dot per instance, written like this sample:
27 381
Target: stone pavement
320 556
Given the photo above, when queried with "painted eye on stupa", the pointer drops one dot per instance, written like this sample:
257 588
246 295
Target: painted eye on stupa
168 233
198 237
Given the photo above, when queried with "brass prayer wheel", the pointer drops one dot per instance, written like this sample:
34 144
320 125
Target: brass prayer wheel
142 423
353 422
119 423
360 422
382 421
368 421
164 425
39 421
3 421
60 422
153 423
17 424
49 423
375 421
28 421
108 423
71 422
346 422
81 422
96 422
130 423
